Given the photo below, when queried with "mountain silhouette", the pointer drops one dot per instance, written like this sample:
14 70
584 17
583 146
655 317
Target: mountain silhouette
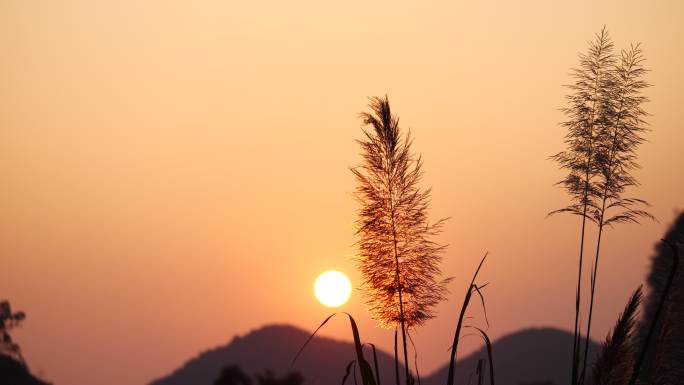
273 348
528 356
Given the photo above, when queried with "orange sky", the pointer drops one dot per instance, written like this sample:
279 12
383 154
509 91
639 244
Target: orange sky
174 173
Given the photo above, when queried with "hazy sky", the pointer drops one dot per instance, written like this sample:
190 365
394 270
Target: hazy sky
175 173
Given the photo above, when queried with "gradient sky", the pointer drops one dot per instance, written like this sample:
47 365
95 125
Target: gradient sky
176 173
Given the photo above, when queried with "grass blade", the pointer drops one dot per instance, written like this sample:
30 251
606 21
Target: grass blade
457 333
375 363
490 356
364 367
310 338
347 371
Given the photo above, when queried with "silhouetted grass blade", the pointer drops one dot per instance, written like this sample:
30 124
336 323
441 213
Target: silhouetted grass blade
364 366
457 333
347 371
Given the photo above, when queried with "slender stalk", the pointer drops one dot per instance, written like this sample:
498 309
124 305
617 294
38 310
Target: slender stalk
401 306
576 336
375 364
396 359
415 356
395 241
591 302
480 371
594 271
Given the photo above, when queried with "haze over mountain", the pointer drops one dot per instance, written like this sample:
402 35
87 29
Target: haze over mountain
530 355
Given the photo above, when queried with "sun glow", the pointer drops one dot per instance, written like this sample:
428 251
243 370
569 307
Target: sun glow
332 288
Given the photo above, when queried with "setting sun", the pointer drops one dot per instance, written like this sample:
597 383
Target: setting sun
332 288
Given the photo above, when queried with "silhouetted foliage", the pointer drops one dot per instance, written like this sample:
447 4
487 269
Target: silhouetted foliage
13 372
233 375
268 378
9 320
664 361
399 262
13 368
616 359
538 383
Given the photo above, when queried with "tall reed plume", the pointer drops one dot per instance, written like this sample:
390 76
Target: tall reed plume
398 260
585 114
619 137
605 127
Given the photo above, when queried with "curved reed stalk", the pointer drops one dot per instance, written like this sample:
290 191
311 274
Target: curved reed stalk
490 354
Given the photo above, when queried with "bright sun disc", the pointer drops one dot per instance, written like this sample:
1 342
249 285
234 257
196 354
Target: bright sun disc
332 288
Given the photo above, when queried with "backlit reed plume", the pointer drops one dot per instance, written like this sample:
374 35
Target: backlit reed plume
586 112
615 361
620 135
398 260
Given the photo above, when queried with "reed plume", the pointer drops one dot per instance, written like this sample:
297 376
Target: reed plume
619 136
398 260
586 112
615 361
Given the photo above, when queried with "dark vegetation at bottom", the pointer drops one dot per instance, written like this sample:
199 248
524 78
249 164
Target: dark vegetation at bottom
233 375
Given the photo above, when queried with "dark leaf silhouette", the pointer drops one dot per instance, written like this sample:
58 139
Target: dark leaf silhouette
665 353
616 359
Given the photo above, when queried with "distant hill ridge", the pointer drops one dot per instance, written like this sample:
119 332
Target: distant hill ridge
530 355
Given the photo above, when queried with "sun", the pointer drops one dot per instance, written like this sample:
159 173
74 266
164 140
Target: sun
332 288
